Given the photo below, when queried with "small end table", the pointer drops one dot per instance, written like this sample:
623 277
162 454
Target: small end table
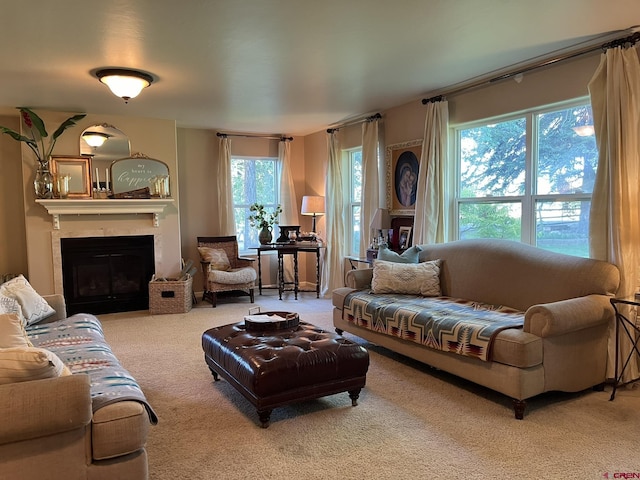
629 327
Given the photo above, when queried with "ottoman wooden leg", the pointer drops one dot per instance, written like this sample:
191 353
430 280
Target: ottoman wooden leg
215 374
265 417
353 395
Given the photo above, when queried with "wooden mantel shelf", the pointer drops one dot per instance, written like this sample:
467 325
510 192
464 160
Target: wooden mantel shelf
57 207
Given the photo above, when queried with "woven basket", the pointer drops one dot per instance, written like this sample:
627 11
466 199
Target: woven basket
170 296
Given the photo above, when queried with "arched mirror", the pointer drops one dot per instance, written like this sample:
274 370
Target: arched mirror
105 143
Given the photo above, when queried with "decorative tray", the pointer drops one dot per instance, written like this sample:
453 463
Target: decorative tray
271 321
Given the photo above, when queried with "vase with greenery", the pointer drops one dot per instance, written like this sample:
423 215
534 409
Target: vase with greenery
43 182
264 221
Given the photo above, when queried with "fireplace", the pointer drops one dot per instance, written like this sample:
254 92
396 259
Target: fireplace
107 274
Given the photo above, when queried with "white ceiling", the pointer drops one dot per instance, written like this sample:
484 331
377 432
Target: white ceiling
277 66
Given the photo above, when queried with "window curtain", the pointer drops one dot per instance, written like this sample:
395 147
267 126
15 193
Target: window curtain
226 221
370 200
428 226
614 227
335 195
289 215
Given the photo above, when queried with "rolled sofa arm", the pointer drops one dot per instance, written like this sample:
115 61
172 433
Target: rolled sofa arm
359 279
559 318
56 301
39 408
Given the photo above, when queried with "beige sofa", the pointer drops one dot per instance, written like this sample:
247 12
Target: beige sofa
48 430
563 343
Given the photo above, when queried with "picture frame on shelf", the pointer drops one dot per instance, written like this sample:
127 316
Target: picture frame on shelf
402 165
404 236
78 168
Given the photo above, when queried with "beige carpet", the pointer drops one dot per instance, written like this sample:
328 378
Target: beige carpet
411 422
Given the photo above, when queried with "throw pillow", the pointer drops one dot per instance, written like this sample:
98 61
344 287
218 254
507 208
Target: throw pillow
21 364
410 279
410 255
12 333
216 257
33 307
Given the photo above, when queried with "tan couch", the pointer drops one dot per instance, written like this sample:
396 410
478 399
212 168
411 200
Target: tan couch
563 345
48 431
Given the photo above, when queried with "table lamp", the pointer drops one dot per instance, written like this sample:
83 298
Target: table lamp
312 205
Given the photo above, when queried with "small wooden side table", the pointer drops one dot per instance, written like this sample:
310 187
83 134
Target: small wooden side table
629 327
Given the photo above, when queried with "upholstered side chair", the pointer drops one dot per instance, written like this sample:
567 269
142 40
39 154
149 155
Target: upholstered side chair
223 269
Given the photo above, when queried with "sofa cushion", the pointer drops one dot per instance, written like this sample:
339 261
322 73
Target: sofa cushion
410 255
22 364
118 430
517 348
33 307
216 257
411 279
12 332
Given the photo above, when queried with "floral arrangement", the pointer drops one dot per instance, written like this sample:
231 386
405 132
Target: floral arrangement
261 218
38 133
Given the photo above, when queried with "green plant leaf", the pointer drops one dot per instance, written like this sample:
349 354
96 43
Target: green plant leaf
16 136
36 120
67 123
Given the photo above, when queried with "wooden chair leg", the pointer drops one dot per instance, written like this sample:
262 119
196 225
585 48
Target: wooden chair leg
251 295
213 299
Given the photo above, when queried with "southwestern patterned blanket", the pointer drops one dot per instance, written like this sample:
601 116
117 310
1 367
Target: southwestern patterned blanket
443 323
80 344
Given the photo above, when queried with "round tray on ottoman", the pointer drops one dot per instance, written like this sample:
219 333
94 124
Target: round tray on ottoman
271 321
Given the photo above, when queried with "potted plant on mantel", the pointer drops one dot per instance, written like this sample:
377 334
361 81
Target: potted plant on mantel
43 182
264 221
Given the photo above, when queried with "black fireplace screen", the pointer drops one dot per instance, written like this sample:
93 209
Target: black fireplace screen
107 274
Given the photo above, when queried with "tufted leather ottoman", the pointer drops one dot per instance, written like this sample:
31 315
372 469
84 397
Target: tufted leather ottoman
275 368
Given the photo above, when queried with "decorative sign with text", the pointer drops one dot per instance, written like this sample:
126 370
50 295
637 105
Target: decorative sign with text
139 171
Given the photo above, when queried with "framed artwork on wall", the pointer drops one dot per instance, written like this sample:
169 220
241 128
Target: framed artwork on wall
403 163
404 238
78 169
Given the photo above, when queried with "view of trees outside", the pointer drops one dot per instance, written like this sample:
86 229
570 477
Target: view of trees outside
355 187
253 180
498 180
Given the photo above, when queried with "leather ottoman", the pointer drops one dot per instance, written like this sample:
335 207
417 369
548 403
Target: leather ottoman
276 368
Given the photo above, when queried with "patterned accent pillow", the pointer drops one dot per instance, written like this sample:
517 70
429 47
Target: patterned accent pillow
216 257
410 255
12 332
410 279
33 308
21 364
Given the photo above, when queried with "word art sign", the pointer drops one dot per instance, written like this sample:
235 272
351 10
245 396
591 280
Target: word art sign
134 173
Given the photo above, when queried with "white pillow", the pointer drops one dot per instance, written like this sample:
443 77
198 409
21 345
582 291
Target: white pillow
33 307
12 333
22 364
407 278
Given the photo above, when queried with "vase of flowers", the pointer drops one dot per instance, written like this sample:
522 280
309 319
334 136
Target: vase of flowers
264 221
43 183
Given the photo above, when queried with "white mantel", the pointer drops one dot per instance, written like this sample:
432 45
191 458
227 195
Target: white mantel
57 207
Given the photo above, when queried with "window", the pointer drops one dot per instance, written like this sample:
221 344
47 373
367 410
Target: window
528 177
253 180
353 158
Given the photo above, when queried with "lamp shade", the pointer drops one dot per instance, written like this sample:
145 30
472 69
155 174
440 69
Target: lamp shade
95 139
123 82
312 205
381 220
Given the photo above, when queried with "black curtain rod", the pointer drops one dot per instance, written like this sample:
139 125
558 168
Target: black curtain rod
370 118
626 40
282 138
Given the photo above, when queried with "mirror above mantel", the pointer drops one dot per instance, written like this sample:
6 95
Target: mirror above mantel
114 147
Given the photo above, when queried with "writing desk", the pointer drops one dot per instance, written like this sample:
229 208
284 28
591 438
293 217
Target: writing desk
292 249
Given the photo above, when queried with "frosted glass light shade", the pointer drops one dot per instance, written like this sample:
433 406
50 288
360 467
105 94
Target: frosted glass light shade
126 84
95 139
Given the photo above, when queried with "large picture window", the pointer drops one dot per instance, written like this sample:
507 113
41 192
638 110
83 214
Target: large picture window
528 177
353 159
254 180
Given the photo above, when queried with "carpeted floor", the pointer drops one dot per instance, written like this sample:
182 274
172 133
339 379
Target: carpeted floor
411 422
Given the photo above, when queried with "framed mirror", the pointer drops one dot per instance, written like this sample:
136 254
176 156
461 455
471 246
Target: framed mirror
138 172
104 143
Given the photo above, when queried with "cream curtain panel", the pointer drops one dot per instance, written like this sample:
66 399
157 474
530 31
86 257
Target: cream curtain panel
615 218
335 203
370 199
289 215
226 222
429 226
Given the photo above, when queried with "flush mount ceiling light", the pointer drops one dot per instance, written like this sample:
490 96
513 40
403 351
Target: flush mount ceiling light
124 83
95 139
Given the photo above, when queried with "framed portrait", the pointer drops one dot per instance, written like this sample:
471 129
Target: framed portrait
403 163
79 171
404 238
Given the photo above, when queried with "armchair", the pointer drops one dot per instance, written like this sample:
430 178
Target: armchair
223 269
